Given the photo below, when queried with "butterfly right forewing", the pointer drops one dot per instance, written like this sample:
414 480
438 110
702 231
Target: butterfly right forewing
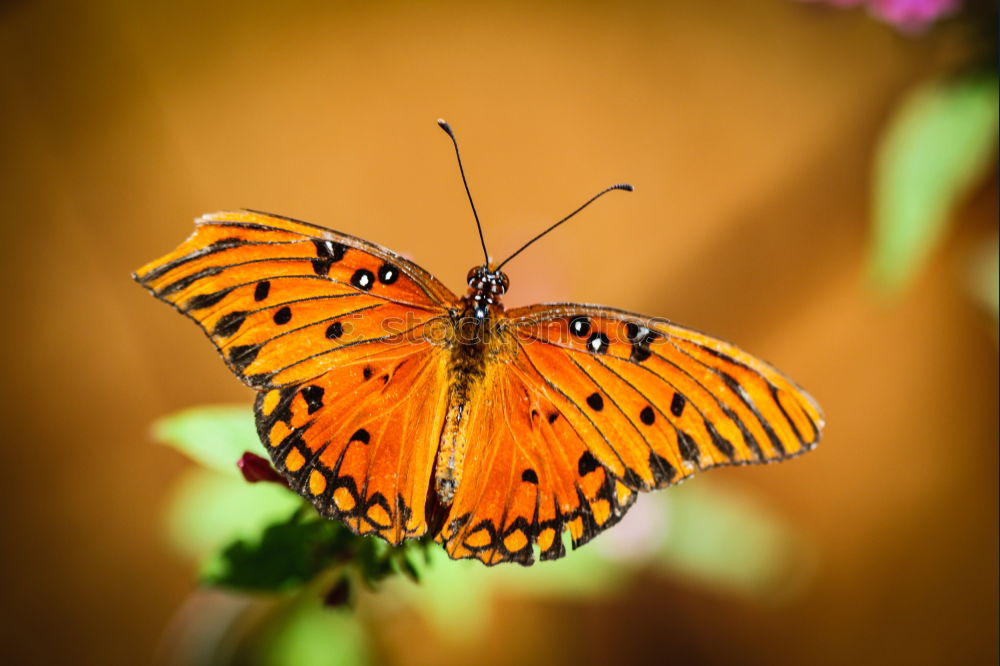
675 400
594 405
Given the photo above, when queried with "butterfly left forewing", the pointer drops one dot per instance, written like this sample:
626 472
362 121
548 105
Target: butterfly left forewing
284 300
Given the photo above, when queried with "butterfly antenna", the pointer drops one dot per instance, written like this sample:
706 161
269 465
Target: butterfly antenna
619 186
447 128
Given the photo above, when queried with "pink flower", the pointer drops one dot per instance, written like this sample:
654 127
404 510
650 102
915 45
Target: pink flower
909 16
256 469
912 15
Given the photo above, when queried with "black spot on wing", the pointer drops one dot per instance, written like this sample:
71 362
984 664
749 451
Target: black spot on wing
387 273
677 405
587 463
202 301
639 353
724 446
641 338
187 281
598 343
283 316
663 471
242 356
647 415
361 435
334 330
327 254
632 479
579 326
313 395
529 476
261 291
217 246
260 380
229 323
688 447
363 279
595 401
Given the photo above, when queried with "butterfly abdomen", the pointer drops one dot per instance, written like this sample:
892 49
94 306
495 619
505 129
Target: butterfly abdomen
466 370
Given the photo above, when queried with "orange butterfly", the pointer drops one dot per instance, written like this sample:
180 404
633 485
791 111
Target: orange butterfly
401 409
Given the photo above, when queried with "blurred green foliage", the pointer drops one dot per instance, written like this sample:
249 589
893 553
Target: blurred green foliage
214 436
263 538
210 509
938 145
309 633
984 276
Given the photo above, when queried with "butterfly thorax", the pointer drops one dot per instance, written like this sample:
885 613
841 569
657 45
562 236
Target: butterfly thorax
478 337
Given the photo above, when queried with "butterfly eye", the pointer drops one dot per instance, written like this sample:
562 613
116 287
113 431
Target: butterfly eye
502 283
473 277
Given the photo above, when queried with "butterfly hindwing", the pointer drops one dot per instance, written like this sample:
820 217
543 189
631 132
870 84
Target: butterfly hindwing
529 476
359 441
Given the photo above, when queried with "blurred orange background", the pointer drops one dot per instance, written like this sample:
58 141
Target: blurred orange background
748 130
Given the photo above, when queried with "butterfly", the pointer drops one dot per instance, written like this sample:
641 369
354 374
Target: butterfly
405 411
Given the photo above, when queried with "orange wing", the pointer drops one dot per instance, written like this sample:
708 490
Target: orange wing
599 404
359 441
529 475
335 333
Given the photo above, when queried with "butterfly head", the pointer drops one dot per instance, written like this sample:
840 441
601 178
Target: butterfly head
486 286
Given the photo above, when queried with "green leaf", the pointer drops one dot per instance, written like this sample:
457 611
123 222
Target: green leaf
213 436
286 556
936 147
723 539
209 510
317 636
455 596
714 538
